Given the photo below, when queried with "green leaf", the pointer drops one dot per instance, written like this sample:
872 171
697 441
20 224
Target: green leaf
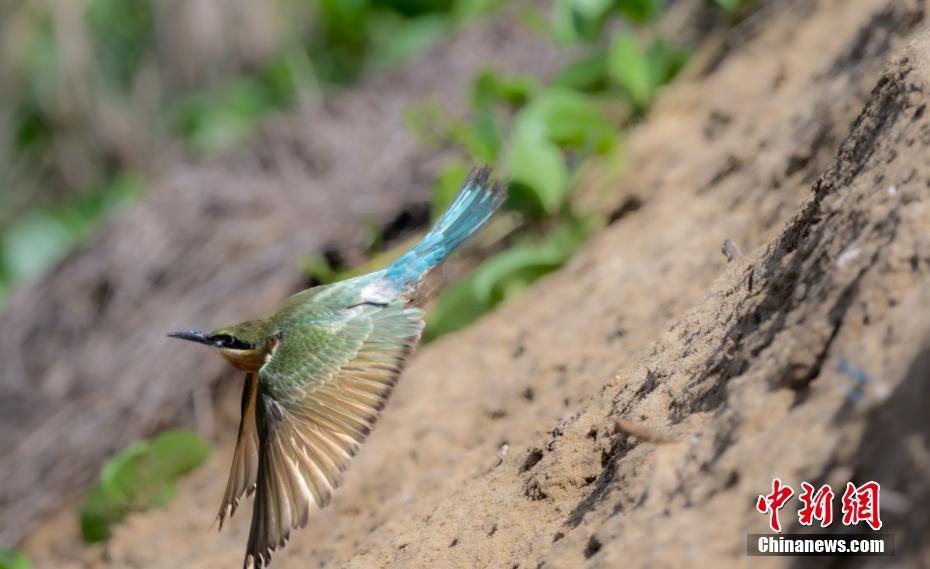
569 119
590 8
639 11
513 270
415 7
101 510
457 307
490 88
487 137
119 475
481 138
144 475
12 559
629 67
556 118
584 20
733 5
317 267
503 276
395 40
537 170
665 61
586 74
580 20
176 453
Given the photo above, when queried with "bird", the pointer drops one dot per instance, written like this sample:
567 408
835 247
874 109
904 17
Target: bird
319 370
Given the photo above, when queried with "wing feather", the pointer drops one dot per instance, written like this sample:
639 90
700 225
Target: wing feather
244 468
307 440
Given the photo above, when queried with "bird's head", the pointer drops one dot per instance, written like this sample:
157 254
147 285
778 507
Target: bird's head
244 345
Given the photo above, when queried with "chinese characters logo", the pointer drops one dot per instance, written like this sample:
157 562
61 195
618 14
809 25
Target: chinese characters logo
859 504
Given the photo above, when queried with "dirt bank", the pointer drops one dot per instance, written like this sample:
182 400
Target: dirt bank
500 449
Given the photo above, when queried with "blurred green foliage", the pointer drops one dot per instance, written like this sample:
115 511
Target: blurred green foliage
733 6
212 119
12 559
541 136
503 276
38 239
122 33
556 120
577 21
61 170
143 475
639 71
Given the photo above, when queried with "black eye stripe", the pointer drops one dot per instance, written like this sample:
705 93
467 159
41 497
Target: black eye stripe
230 342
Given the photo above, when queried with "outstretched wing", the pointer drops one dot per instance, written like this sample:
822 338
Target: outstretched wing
244 468
318 397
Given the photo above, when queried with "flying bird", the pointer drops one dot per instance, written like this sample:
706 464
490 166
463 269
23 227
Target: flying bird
318 372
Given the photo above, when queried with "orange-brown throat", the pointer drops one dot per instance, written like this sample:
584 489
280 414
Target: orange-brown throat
250 361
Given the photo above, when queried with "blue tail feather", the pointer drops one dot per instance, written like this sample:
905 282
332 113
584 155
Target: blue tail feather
474 205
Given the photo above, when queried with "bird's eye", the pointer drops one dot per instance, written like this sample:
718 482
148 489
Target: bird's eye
224 340
230 342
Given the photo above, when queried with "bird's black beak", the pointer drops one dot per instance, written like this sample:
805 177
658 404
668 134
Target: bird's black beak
192 336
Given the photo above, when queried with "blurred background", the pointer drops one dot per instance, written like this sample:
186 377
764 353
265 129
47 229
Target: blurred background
109 108
99 96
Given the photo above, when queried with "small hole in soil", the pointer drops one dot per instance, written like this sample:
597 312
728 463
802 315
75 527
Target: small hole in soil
628 206
532 459
594 545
